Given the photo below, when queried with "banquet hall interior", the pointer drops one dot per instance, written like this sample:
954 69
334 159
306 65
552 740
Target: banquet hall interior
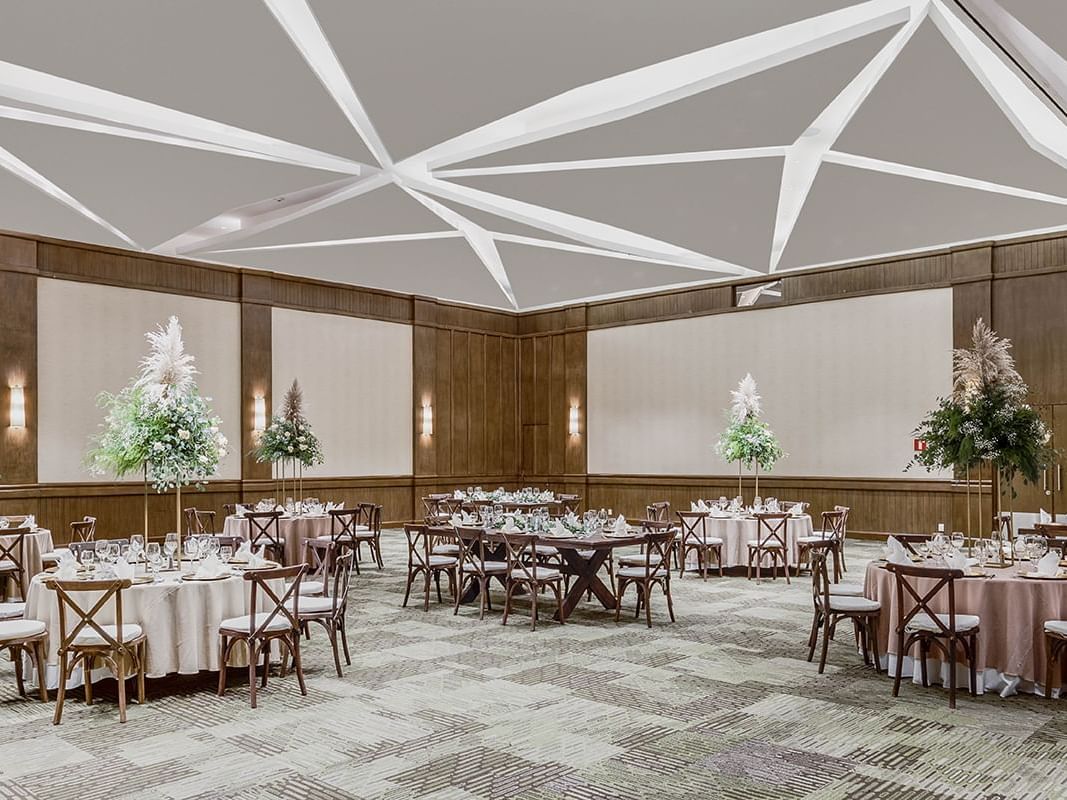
490 399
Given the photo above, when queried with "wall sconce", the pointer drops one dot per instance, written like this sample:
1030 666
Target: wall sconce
259 415
427 420
18 407
572 422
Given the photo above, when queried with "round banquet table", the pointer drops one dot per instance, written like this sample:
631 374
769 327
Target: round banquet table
1011 640
737 533
294 531
180 618
37 542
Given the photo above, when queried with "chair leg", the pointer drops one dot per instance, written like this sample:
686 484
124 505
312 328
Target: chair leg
224 653
120 676
785 567
1051 662
534 591
825 642
559 602
900 665
16 659
459 594
973 658
87 679
142 667
266 663
924 650
426 592
253 658
407 591
619 592
298 663
951 647
813 637
344 641
507 602
61 691
648 602
332 633
670 600
437 583
42 674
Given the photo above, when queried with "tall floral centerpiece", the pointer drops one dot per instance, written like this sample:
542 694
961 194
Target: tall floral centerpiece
985 421
289 440
748 440
161 423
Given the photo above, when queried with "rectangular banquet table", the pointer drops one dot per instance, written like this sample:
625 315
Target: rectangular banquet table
1011 640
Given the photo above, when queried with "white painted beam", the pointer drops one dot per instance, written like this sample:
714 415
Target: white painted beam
385 239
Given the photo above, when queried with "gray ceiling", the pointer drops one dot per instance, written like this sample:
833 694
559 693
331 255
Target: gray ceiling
423 71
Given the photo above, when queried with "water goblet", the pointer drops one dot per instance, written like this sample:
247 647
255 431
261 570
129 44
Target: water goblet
225 554
170 546
958 540
101 548
136 546
192 549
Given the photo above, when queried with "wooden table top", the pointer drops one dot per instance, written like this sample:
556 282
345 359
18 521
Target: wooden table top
597 541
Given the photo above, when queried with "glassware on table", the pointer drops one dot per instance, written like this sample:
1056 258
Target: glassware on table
154 558
981 553
192 549
114 550
100 547
958 540
170 546
136 546
88 557
225 553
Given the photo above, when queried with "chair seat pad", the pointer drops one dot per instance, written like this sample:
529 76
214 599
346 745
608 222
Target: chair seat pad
766 545
641 572
845 590
923 622
310 588
88 636
446 550
632 560
443 561
848 603
1056 626
313 605
547 550
705 541
240 624
7 565
488 566
814 539
586 554
12 610
20 629
539 573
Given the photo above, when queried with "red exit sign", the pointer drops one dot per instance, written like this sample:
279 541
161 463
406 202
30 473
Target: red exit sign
918 445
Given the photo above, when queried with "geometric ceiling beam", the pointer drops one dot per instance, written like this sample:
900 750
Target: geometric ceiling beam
598 234
299 22
262 215
37 88
477 237
390 237
1042 128
1048 66
660 159
24 171
804 157
621 96
919 173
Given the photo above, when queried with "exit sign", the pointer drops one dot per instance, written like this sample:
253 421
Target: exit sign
918 445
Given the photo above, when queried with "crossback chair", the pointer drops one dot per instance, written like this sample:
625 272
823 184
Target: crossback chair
831 609
265 530
260 629
694 526
371 519
1055 648
329 610
79 549
199 522
655 571
121 646
423 563
13 559
344 525
319 554
920 624
19 636
526 569
232 540
840 554
229 509
569 503
83 530
474 568
771 540
833 531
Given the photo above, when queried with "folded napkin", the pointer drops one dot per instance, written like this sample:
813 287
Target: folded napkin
772 506
256 560
510 526
701 506
68 567
1043 516
693 507
244 550
956 560
240 510
558 528
719 513
457 495
1049 564
620 525
895 552
798 510
123 569
30 522
212 567
457 519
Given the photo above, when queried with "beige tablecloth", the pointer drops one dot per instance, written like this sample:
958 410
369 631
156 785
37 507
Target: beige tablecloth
1011 641
181 619
737 533
294 531
37 542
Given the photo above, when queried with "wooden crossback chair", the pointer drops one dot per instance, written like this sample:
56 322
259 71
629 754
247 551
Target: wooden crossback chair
199 522
422 562
260 629
83 530
655 571
329 609
344 524
843 535
921 625
694 525
831 609
119 645
569 504
833 532
474 568
770 540
526 569
13 559
371 518
265 530
659 511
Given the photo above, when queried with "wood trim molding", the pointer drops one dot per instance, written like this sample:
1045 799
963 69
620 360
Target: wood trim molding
18 365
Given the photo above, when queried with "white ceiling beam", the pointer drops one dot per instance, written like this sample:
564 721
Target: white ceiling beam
298 21
804 157
934 176
25 85
659 159
655 85
570 247
240 223
598 234
477 237
25 172
385 239
1042 128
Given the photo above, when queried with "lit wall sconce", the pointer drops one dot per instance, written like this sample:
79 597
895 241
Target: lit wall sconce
572 423
259 415
18 407
427 420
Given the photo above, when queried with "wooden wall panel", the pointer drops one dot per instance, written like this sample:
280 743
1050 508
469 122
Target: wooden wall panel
18 364
256 357
1030 310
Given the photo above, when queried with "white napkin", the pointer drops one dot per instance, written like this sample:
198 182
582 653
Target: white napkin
559 529
457 495
211 567
719 513
256 560
30 522
620 525
123 569
572 518
244 550
772 506
1043 516
956 561
240 510
510 526
798 510
1049 564
895 552
457 519
693 507
68 567
701 506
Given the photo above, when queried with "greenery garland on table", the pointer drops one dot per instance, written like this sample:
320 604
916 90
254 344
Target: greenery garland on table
289 436
747 439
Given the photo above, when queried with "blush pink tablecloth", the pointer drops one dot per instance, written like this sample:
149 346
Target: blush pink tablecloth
293 529
1011 640
737 533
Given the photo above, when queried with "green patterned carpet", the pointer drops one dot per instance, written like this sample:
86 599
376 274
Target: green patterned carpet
721 704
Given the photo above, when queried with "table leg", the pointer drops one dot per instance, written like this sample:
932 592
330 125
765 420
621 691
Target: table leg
587 579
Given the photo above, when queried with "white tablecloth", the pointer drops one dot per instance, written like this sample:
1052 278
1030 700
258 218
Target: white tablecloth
737 533
181 619
37 542
294 531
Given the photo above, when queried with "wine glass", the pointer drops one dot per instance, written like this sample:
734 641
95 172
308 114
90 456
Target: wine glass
154 559
88 556
170 546
225 553
958 540
101 550
114 550
981 553
136 546
192 549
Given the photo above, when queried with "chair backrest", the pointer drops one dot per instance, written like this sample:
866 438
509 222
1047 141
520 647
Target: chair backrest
833 525
1004 525
694 525
658 546
820 577
521 549
342 577
276 606
570 503
77 548
418 537
371 514
660 510
907 576
770 529
198 522
319 554
343 522
83 530
652 525
471 549
264 528
911 540
846 511
70 595
789 505
229 509
13 549
230 540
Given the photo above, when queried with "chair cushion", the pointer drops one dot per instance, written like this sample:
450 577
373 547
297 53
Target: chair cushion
540 573
632 560
923 622
489 566
20 629
314 605
446 550
240 624
846 590
443 561
12 610
1057 626
309 588
708 541
7 565
88 636
547 550
641 572
814 539
847 603
765 545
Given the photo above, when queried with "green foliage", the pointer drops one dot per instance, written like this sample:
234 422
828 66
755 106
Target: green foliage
749 441
289 440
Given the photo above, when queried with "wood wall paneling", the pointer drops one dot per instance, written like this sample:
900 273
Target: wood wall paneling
256 356
18 364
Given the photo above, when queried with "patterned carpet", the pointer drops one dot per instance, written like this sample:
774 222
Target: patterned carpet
721 704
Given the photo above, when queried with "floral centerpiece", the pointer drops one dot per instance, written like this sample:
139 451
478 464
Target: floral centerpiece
289 438
748 440
160 423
